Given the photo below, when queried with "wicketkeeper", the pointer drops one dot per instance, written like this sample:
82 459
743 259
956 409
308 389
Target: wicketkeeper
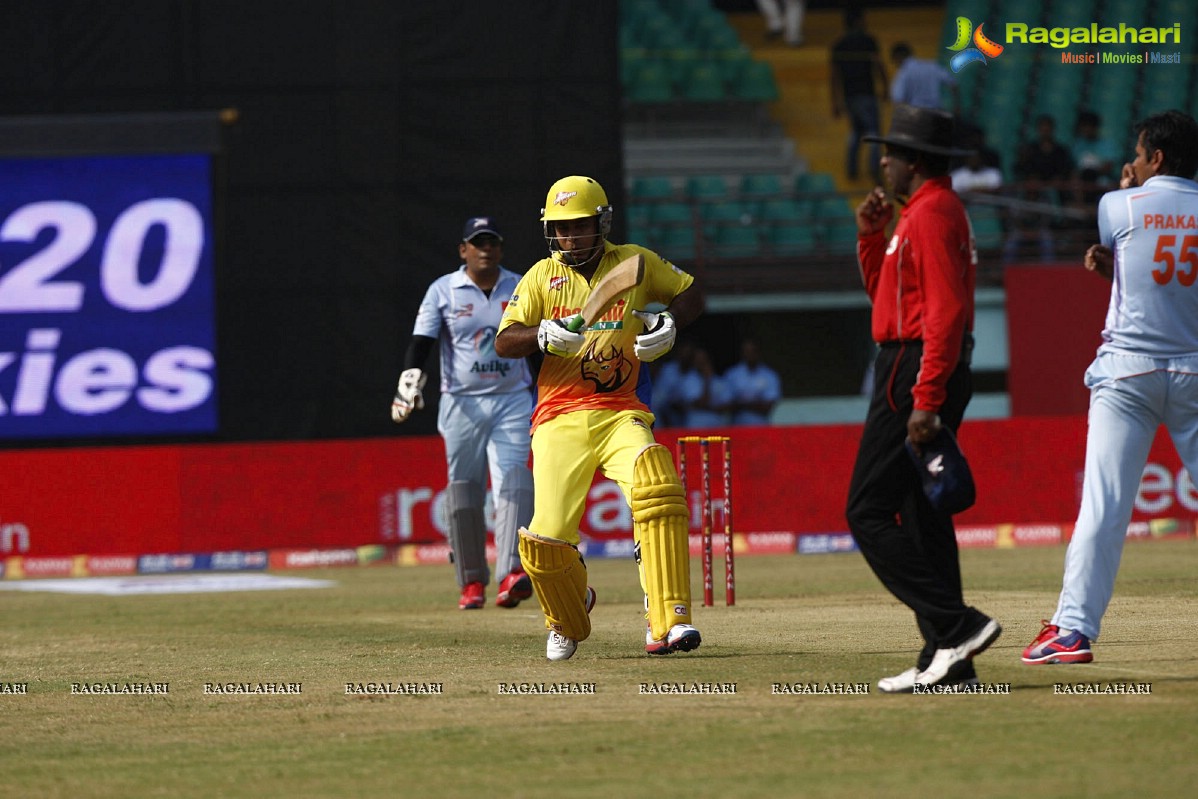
485 407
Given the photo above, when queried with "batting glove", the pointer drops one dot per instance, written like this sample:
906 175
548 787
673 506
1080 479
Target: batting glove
554 338
408 396
659 335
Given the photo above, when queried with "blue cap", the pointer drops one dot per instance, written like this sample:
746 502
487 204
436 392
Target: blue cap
944 473
477 225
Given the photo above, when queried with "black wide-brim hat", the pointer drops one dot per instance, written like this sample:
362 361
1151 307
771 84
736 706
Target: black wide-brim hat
927 130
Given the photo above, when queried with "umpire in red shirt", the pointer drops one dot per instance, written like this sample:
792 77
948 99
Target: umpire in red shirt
920 281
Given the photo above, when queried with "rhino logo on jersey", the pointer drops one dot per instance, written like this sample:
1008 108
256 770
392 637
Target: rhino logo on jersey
607 369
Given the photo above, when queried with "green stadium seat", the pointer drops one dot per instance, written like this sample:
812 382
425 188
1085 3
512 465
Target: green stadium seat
834 209
677 244
785 211
703 84
652 187
815 183
719 215
673 214
707 187
736 241
761 185
650 84
638 213
791 239
756 83
839 236
644 235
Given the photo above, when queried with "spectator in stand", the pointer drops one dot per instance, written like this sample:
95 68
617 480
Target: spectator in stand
918 81
975 176
855 64
1095 157
755 387
666 402
704 394
1044 167
783 18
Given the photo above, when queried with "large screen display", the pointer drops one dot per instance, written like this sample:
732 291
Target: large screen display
106 297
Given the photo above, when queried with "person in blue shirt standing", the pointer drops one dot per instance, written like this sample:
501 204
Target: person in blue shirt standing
704 394
1145 373
484 416
918 81
754 386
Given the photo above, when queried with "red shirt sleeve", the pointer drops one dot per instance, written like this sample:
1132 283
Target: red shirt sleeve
871 251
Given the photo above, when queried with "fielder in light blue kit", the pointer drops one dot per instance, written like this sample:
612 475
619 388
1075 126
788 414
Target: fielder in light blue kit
1146 372
485 413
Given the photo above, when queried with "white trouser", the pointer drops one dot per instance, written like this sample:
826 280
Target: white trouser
1130 397
487 430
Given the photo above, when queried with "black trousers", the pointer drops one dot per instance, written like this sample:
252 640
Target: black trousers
910 546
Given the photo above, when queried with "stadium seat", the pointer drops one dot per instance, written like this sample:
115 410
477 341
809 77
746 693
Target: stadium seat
703 84
677 243
673 214
736 241
638 213
835 209
755 83
650 83
785 211
839 236
652 187
707 187
719 215
791 239
760 185
815 183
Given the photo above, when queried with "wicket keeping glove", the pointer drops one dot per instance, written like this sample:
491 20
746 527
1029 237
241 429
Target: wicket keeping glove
554 338
408 396
659 335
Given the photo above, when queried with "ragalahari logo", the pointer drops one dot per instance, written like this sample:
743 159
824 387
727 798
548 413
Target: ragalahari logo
983 47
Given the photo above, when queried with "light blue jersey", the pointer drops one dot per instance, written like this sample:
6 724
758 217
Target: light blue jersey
1153 231
1145 375
464 320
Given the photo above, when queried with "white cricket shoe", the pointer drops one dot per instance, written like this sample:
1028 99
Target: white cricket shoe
947 659
680 638
900 683
904 683
558 646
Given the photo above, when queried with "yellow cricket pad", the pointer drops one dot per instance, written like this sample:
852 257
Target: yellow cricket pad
660 521
560 579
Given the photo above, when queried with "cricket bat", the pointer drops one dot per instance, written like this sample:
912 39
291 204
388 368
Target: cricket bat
623 276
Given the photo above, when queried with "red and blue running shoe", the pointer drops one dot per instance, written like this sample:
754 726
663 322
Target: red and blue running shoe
1052 646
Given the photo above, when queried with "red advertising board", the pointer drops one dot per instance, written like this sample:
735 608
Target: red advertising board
1055 316
349 494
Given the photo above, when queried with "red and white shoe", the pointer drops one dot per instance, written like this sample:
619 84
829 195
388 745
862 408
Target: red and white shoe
680 638
513 590
1053 645
473 597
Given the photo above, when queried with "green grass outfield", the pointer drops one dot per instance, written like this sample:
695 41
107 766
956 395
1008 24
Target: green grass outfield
808 619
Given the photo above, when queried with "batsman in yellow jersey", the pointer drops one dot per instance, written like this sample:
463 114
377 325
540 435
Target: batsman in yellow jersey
593 413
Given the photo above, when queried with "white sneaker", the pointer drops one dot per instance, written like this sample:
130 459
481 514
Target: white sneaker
680 638
946 659
900 683
905 683
559 647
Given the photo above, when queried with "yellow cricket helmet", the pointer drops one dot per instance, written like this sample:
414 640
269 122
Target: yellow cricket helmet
576 197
